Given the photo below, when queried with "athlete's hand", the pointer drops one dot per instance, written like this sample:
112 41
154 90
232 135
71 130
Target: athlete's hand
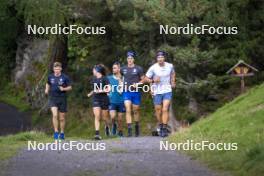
156 79
61 88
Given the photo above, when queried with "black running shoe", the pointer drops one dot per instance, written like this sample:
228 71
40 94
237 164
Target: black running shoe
129 132
97 137
114 127
120 134
164 132
136 130
107 131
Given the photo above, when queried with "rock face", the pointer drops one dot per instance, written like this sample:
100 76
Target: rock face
29 52
31 57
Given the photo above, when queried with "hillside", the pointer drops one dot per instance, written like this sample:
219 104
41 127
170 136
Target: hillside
240 121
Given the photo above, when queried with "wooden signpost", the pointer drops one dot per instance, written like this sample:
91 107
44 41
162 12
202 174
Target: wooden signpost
242 70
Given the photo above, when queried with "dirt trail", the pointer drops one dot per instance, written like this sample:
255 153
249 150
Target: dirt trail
122 157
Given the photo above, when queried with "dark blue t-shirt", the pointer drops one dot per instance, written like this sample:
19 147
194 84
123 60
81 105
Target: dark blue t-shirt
132 74
56 81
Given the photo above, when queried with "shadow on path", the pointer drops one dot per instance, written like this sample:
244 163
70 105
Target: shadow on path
13 121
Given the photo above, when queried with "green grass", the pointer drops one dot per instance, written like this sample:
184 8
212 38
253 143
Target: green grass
240 121
14 96
9 145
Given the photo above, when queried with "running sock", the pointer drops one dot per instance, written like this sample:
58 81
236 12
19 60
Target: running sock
129 130
129 125
114 128
160 129
107 131
165 131
137 129
97 132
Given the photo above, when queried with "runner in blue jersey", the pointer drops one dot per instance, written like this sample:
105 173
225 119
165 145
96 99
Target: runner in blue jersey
117 107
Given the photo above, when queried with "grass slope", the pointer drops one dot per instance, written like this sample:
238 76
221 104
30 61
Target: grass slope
240 121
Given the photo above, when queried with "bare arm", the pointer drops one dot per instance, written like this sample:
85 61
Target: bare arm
173 79
68 88
47 89
142 79
90 94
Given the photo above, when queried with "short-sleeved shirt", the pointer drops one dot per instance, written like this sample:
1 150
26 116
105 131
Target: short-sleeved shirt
55 82
164 73
132 74
115 96
99 84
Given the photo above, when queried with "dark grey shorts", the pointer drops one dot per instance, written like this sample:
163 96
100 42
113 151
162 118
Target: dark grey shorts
59 102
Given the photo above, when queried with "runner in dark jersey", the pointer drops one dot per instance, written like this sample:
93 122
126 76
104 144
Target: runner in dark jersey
133 75
56 87
100 100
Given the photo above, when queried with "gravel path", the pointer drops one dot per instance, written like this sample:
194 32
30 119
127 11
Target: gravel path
122 157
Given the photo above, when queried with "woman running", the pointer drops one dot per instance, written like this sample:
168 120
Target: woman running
100 87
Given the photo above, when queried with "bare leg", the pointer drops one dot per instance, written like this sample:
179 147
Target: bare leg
112 115
62 121
105 115
119 119
54 111
97 114
128 112
136 113
165 111
158 113
136 119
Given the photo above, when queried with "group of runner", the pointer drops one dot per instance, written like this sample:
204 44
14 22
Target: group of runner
116 94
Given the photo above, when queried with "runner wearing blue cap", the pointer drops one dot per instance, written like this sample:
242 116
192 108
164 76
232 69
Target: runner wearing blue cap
162 77
133 76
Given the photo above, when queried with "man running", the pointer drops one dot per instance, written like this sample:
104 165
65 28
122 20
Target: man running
133 76
162 77
56 87
117 106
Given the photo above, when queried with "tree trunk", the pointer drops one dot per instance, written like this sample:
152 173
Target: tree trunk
59 51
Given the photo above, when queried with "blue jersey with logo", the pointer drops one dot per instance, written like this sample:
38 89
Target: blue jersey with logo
115 96
55 82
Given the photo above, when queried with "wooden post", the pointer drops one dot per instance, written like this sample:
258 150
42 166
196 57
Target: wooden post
242 84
